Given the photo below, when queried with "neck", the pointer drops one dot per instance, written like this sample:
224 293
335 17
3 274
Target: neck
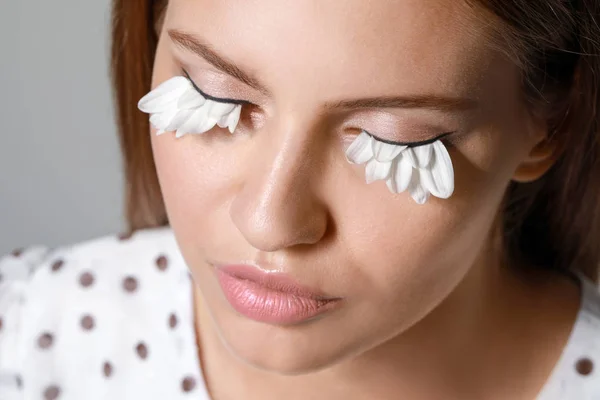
476 344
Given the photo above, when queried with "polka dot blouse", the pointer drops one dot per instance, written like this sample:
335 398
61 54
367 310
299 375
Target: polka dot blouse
113 319
107 319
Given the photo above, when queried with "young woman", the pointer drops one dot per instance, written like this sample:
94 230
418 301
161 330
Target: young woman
333 200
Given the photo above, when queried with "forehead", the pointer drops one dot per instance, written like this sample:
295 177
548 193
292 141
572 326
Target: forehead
348 47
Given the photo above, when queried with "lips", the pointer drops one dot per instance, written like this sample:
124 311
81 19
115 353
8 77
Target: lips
271 297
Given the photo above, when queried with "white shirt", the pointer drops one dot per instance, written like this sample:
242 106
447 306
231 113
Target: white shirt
113 319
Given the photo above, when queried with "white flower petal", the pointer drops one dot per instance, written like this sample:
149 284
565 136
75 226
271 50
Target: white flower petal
234 117
442 172
230 119
385 152
162 97
222 122
402 173
155 120
191 99
416 190
360 150
219 109
391 185
376 170
180 118
428 182
193 122
206 125
423 154
163 119
410 155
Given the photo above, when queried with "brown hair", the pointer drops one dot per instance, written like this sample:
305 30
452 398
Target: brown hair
553 222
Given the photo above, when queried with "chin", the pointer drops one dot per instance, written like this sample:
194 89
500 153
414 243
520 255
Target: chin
285 350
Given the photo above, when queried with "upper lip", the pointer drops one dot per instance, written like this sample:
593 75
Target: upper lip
278 281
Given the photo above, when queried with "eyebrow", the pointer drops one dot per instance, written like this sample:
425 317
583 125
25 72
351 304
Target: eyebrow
202 49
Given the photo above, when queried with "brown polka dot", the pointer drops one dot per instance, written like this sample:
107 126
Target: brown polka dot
107 369
1 324
142 350
19 381
125 235
87 322
52 392
17 252
584 366
1 277
58 264
188 384
86 279
162 263
172 320
45 340
130 284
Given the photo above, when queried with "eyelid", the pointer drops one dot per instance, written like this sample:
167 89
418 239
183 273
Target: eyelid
213 98
410 144
242 102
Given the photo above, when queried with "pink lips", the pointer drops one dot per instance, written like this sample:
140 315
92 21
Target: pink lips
270 297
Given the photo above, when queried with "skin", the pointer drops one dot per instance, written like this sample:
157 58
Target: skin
429 308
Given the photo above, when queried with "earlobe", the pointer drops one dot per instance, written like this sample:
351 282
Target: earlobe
539 160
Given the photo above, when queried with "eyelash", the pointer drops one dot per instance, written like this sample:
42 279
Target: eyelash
213 98
441 137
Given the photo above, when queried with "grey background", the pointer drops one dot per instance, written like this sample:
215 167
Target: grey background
60 167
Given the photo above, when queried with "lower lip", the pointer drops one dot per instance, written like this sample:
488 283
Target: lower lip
262 304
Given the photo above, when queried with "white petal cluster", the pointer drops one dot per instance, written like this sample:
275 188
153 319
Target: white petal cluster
175 105
424 170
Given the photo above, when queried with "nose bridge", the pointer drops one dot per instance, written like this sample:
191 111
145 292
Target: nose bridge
277 206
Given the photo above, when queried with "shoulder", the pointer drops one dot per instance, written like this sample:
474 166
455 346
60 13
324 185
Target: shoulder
577 374
155 249
96 267
74 315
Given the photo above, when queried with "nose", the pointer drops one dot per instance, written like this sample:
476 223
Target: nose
277 206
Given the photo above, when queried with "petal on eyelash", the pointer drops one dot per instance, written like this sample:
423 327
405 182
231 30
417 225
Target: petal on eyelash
193 122
232 119
416 190
401 174
376 170
360 150
206 125
428 182
162 120
219 109
179 119
410 155
385 152
191 99
423 154
222 122
160 99
442 172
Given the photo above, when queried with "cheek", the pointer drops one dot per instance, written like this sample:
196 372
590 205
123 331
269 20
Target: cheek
413 255
195 179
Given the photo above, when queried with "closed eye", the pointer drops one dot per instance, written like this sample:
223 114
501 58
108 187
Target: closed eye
246 102
213 98
410 144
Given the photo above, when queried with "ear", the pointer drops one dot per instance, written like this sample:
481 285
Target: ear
540 159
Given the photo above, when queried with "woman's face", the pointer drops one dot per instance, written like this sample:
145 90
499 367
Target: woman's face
279 191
